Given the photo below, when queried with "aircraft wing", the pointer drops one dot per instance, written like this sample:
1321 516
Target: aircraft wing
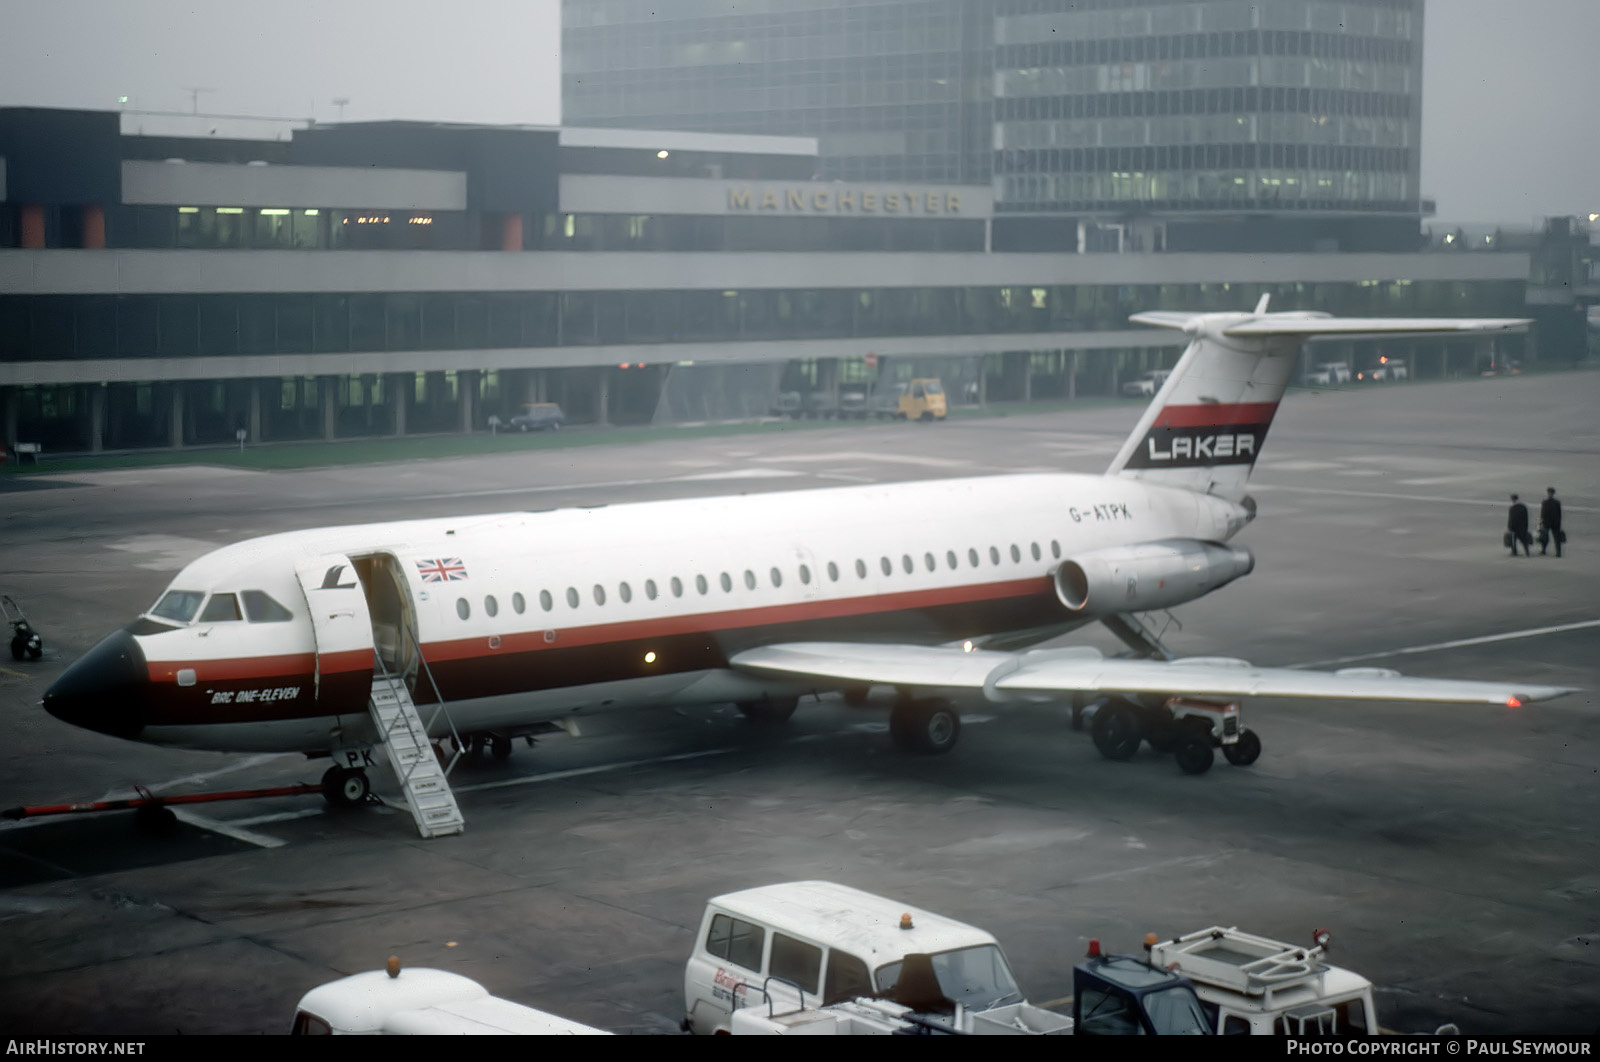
1005 676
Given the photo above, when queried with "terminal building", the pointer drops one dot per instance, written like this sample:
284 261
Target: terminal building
395 278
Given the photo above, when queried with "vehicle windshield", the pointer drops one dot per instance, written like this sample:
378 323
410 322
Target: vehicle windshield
1176 1011
977 977
179 606
934 387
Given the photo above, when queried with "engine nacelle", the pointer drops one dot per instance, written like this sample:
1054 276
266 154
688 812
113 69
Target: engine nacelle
1148 576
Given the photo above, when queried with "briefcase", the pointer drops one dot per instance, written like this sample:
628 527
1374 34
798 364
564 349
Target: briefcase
1508 540
1544 536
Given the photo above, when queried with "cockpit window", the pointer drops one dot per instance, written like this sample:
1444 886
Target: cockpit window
263 609
179 606
220 609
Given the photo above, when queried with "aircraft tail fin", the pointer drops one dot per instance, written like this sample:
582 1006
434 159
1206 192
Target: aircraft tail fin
1204 429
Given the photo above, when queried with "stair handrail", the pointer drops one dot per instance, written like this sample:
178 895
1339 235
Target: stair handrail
442 707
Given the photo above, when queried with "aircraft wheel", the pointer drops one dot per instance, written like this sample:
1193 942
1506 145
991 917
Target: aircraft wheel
1245 751
1116 731
929 726
344 787
770 712
1195 757
500 746
35 651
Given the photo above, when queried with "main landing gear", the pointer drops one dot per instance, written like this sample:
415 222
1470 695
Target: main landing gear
927 725
1190 730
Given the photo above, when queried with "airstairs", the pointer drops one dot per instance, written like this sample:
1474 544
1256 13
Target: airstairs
422 777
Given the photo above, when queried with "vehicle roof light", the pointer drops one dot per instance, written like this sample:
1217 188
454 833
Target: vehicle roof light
905 921
393 966
1149 941
1094 947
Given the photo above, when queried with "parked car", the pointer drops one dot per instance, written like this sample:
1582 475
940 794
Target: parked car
1388 370
821 405
788 405
538 416
1328 374
853 404
1147 384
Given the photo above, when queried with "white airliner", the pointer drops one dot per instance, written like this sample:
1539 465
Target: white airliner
519 620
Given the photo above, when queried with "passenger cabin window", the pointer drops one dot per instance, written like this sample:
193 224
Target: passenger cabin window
546 602
994 555
700 584
929 562
625 592
847 979
727 583
795 960
261 608
518 604
886 565
861 569
749 579
950 559
736 940
906 563
777 578
1016 554
463 609
1055 549
833 572
650 589
572 596
677 587
1034 546
220 609
179 606
599 594
491 606
972 557
805 575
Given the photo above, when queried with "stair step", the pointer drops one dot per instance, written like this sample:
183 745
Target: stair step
422 779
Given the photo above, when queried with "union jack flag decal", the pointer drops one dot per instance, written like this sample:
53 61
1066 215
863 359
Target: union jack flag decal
445 570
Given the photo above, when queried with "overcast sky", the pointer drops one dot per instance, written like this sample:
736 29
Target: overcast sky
1509 96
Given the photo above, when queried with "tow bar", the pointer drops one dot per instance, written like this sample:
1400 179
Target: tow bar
151 811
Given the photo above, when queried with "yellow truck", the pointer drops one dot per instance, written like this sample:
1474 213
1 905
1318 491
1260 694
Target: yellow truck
914 400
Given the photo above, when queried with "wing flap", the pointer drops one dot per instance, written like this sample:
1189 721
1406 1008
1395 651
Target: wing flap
1086 671
890 665
1232 680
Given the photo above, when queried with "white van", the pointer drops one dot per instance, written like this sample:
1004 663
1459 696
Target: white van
419 1001
835 944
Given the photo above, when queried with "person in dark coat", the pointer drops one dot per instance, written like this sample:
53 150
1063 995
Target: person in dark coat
1517 528
1550 523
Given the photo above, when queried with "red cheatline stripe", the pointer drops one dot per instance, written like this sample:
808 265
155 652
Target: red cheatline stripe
301 664
1233 415
291 665
569 637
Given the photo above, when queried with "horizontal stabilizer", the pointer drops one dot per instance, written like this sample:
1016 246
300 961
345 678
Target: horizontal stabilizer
1165 319
1314 325
1003 676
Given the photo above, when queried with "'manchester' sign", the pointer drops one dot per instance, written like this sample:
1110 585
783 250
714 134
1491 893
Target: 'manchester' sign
842 200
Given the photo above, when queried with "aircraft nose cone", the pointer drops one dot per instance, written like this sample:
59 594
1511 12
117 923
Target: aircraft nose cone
104 689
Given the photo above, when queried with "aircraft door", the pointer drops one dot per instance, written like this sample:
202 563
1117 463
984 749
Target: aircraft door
342 626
